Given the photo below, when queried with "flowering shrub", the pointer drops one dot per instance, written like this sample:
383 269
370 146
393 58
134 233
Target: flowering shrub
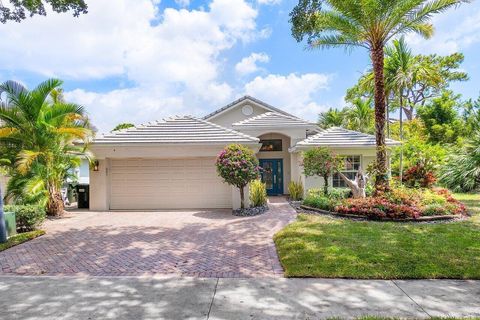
238 166
420 175
402 203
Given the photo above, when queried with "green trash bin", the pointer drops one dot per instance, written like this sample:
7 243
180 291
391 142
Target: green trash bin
10 223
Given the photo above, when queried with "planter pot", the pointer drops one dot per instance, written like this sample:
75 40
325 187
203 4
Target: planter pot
10 223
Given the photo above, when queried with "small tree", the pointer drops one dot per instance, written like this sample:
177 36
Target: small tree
320 162
238 166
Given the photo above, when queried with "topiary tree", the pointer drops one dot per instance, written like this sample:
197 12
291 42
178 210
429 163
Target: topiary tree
320 162
238 166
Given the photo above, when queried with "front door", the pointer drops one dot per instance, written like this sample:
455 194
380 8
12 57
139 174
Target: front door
272 175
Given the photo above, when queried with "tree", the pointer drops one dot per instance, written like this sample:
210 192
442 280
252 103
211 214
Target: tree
41 139
17 10
238 166
368 24
461 172
122 126
320 162
360 115
441 118
331 118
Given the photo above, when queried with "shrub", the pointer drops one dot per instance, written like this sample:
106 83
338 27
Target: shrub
333 193
296 190
401 202
320 162
238 166
258 193
320 202
420 175
28 217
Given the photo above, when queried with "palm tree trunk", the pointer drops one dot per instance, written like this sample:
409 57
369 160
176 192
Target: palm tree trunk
401 138
377 56
55 205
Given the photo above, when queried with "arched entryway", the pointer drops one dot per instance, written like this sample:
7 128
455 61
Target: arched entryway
275 159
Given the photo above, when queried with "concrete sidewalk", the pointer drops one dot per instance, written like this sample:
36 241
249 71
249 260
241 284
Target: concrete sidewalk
27 297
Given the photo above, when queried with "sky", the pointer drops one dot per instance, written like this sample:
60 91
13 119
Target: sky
143 60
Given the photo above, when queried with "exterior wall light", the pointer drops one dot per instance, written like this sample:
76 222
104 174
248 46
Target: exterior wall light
95 165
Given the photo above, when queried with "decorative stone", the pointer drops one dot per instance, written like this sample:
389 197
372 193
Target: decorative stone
250 212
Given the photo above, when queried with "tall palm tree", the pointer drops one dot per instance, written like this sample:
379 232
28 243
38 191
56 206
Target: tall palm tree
331 118
360 115
368 24
38 136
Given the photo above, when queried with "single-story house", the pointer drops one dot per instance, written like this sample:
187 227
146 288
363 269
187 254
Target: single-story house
170 164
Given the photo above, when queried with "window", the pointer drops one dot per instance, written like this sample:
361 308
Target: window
351 164
271 145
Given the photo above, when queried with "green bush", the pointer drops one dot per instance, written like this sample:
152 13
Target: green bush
28 217
333 193
258 194
320 202
434 209
296 190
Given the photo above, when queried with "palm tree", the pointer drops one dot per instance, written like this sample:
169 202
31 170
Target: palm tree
42 137
360 115
367 24
331 118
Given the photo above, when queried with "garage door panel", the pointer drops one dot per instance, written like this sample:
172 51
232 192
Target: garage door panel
167 184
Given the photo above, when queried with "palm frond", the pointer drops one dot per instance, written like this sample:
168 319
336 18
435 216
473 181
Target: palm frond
25 159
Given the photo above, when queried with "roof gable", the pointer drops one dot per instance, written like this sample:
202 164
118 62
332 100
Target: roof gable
179 129
273 119
239 102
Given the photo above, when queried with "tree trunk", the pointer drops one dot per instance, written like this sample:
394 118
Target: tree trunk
408 113
381 181
325 185
358 186
55 205
242 197
401 138
387 105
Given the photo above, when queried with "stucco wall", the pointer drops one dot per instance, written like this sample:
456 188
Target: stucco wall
235 114
367 156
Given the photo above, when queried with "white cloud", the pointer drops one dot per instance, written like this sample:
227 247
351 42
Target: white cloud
455 31
249 65
166 55
293 93
269 2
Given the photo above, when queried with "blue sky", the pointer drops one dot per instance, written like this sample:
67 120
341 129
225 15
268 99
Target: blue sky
142 60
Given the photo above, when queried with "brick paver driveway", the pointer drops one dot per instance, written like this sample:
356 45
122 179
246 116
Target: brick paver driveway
191 243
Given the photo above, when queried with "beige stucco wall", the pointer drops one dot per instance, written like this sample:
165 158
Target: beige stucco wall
100 182
234 114
3 184
367 156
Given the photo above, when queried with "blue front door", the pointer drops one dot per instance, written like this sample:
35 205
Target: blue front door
272 175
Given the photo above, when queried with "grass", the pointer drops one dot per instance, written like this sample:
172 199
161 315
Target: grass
21 238
320 246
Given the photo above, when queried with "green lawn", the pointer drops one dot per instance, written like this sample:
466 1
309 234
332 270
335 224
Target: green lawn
320 246
21 238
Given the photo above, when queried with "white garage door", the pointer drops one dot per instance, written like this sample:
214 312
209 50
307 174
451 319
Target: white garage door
167 184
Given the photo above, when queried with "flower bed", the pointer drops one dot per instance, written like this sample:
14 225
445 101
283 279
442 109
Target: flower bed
400 203
403 203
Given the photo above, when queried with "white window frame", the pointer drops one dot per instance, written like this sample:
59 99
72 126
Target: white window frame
344 171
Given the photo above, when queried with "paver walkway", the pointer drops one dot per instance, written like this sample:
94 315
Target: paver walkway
47 298
188 243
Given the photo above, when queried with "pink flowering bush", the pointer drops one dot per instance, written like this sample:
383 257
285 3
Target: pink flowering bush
238 166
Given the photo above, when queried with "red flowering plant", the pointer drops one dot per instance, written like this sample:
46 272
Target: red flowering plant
420 175
238 166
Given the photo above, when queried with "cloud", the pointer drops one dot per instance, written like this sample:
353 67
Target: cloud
293 93
269 2
455 31
248 64
171 58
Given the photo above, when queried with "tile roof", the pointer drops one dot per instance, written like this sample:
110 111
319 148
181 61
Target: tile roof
273 119
178 129
236 102
340 137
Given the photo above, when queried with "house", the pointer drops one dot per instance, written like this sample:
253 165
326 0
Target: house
170 164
